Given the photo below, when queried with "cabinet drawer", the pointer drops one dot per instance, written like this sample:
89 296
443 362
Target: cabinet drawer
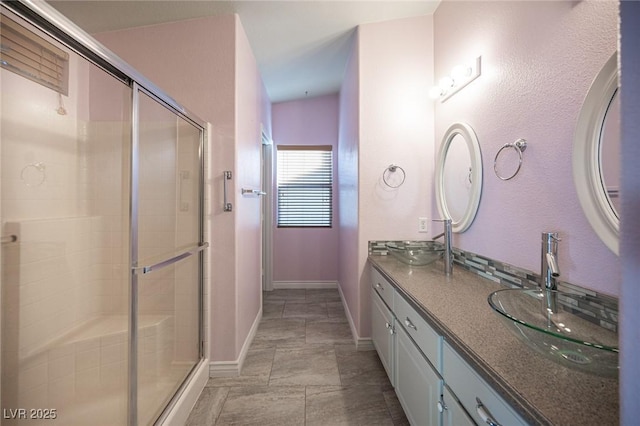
382 286
425 337
468 386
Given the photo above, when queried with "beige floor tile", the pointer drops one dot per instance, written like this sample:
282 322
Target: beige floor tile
285 294
336 310
305 310
304 366
395 409
360 367
323 295
337 406
331 330
264 406
255 371
281 332
272 309
208 407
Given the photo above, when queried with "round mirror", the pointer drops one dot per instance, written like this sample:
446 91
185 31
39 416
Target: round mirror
459 176
596 155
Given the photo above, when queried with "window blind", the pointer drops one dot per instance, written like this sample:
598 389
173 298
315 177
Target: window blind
32 57
305 186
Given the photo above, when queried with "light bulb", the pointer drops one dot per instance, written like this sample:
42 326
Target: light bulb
435 92
445 83
460 71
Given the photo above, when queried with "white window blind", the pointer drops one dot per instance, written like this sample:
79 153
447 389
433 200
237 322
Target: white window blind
305 186
32 57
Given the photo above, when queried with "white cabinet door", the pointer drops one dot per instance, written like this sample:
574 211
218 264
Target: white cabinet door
475 395
418 386
382 333
452 412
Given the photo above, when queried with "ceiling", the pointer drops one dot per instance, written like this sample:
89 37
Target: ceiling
301 47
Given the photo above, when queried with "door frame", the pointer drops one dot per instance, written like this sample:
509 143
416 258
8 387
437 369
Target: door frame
266 215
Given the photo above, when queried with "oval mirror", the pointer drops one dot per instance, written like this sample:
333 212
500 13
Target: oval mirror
596 155
459 176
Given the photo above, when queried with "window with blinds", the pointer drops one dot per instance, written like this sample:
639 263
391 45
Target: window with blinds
305 186
31 56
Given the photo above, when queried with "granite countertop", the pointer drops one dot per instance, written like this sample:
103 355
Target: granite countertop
541 391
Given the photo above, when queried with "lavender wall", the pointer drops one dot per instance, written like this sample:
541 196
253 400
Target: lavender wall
206 64
630 231
539 59
306 254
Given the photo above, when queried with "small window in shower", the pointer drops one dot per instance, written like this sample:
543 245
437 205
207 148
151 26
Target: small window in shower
31 56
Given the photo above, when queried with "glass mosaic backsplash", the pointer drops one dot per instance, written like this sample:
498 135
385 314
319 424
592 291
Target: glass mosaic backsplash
593 307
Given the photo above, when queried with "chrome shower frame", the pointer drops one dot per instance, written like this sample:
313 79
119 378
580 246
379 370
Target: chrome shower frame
57 26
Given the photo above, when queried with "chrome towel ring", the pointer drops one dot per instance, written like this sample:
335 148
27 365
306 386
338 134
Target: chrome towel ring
387 173
34 174
520 145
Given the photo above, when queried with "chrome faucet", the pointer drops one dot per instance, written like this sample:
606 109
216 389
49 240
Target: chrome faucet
550 270
448 253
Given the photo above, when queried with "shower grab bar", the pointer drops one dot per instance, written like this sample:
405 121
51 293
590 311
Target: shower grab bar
171 261
227 207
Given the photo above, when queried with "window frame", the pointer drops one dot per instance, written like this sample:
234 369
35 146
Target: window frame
281 224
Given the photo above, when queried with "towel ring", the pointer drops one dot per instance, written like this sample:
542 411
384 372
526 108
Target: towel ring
520 146
33 174
392 169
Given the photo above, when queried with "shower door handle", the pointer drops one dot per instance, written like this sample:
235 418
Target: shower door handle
150 268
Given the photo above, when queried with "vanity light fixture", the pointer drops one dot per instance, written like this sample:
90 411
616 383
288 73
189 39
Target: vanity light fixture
461 75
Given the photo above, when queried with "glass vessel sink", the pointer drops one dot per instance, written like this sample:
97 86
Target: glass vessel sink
416 254
545 321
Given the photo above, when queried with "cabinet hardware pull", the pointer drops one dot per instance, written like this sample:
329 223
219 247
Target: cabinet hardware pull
409 324
392 330
378 285
386 324
484 414
442 406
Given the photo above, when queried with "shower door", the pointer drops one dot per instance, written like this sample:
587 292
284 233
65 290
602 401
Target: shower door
101 214
65 235
168 238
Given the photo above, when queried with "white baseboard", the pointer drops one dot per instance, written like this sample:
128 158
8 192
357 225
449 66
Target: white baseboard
187 400
362 344
233 368
280 285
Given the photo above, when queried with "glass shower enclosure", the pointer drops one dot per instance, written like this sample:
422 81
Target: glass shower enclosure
101 208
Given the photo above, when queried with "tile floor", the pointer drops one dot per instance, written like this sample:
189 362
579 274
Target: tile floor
302 369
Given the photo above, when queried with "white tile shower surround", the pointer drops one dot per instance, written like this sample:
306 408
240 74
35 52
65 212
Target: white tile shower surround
66 347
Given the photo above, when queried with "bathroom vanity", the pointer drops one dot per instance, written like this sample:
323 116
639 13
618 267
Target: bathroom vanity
452 362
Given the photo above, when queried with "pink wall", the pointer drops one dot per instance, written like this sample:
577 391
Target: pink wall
349 136
630 230
252 109
309 254
197 62
395 116
539 59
